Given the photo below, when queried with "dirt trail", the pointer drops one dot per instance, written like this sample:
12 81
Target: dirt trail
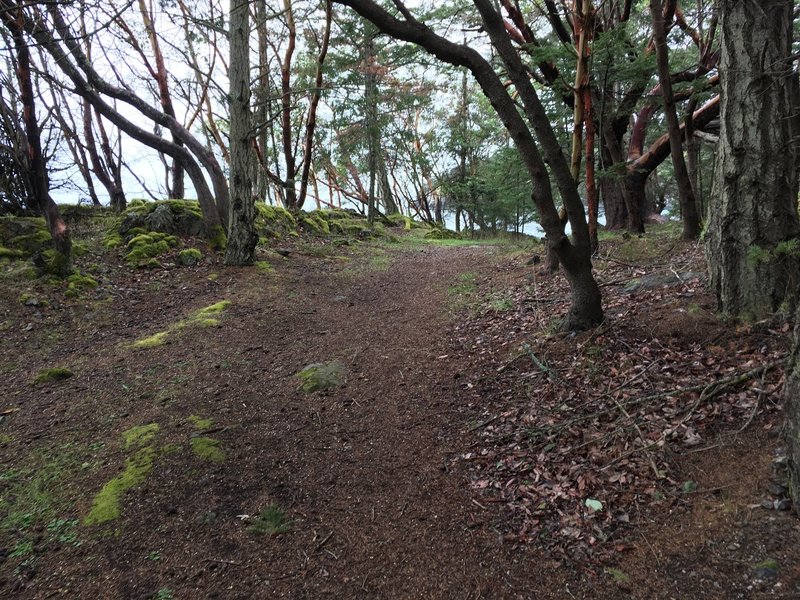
364 471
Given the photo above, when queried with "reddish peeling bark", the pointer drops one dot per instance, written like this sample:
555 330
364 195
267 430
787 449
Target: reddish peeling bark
12 17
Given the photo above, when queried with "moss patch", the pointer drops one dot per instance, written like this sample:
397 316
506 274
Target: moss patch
199 422
143 248
208 449
10 253
217 240
321 376
264 266
152 341
205 317
139 435
272 520
214 309
106 505
54 374
78 283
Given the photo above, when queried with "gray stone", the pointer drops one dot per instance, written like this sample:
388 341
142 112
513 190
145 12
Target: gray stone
161 219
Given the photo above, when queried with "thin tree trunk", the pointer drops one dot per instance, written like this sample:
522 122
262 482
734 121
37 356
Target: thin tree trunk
242 237
286 110
691 221
591 187
176 188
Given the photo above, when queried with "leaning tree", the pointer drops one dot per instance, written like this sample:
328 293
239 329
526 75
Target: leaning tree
529 128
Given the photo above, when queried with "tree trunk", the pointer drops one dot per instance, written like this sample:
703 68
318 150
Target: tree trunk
691 222
371 115
753 228
290 192
242 238
792 407
12 17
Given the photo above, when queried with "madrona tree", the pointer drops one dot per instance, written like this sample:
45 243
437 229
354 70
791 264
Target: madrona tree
526 127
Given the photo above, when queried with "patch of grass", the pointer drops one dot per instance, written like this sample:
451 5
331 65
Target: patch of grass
263 266
272 520
208 449
462 292
35 494
53 374
501 302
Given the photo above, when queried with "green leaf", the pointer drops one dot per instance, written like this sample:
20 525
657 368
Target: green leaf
593 505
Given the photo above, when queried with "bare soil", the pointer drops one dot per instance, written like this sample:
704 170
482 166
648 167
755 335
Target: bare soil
396 484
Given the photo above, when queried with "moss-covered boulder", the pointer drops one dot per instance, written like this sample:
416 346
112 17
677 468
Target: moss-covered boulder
274 222
23 237
175 217
189 257
440 233
315 223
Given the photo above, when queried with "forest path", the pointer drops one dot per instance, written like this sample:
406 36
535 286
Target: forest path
367 473
368 465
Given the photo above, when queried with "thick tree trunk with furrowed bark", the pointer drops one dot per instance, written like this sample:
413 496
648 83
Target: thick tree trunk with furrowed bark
753 227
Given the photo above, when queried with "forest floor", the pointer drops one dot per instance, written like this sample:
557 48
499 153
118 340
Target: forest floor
470 451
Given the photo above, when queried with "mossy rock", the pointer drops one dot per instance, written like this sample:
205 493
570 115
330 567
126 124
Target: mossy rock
177 217
10 253
400 220
274 222
53 374
190 257
32 243
321 376
314 223
26 234
29 299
